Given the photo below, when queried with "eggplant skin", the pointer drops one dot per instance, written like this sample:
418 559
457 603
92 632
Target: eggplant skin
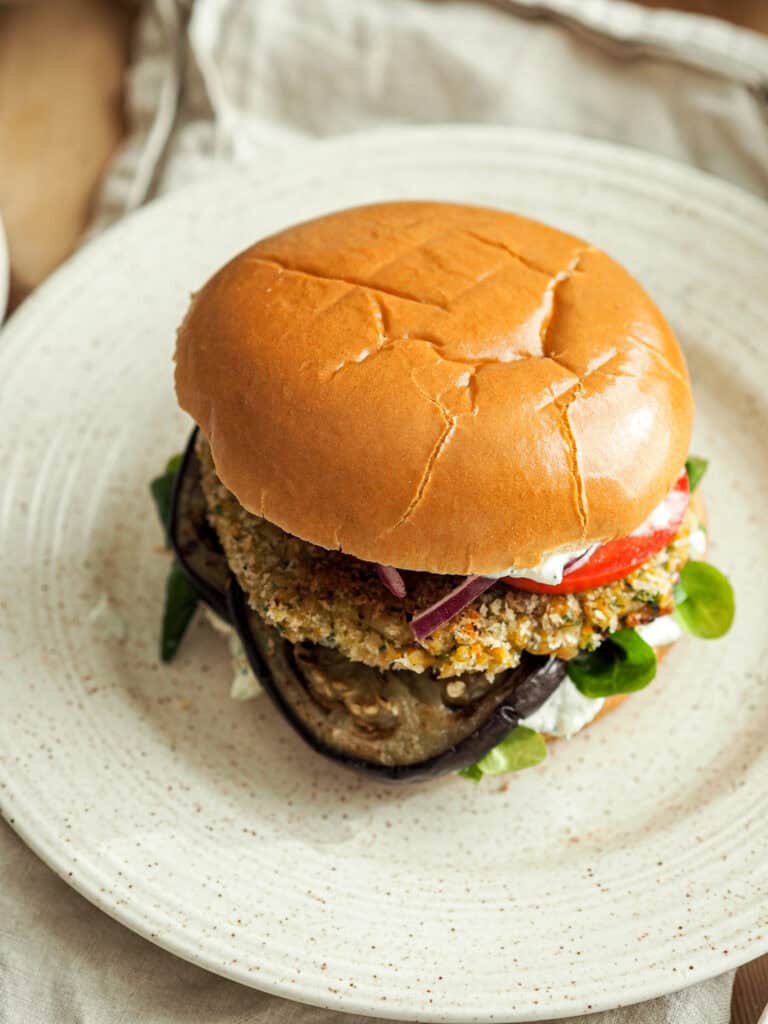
194 542
204 564
529 686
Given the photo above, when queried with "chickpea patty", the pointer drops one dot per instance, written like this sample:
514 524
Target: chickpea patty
310 594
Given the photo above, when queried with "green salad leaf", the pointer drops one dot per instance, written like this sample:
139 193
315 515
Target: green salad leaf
695 467
521 748
622 663
161 489
180 599
180 604
705 601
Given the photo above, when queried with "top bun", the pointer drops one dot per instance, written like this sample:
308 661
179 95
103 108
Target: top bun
436 387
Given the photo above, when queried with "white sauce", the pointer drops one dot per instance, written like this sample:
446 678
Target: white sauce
550 570
666 512
565 712
698 543
661 631
245 686
105 621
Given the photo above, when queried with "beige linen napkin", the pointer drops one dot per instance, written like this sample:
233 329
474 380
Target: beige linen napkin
238 81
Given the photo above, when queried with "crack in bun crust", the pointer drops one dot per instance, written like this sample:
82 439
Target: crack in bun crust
437 387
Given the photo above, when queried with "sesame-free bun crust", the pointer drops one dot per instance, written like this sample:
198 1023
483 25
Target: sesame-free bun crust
436 387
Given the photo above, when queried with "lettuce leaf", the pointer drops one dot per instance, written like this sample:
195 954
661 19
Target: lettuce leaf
695 467
521 748
180 599
705 601
161 489
622 663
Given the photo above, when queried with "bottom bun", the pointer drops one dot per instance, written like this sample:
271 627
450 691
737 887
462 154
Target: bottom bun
613 702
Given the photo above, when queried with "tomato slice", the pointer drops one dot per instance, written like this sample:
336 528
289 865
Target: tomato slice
614 560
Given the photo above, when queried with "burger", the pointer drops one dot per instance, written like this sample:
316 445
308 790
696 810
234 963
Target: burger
439 485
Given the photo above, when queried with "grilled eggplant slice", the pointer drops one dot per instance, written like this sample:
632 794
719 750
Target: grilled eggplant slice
395 726
193 539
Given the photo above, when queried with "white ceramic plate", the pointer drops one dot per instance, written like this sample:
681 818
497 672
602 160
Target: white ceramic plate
630 864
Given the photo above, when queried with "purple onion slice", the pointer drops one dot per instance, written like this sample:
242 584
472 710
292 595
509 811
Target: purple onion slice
448 607
392 580
580 560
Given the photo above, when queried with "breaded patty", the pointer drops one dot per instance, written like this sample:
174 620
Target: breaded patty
310 594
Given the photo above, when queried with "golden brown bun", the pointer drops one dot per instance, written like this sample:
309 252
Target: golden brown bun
436 387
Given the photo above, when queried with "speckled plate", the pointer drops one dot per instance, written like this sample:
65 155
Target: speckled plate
631 863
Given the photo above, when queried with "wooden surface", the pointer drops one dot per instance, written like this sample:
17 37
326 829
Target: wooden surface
61 116
749 13
61 79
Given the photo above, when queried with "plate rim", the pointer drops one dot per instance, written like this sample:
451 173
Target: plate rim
24 821
737 196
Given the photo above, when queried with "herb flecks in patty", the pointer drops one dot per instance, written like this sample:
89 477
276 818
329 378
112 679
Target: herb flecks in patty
333 599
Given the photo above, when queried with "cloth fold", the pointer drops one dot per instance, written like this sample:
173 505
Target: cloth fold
222 82
63 961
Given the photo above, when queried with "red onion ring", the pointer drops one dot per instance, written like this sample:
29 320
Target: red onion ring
392 580
671 509
447 607
582 559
